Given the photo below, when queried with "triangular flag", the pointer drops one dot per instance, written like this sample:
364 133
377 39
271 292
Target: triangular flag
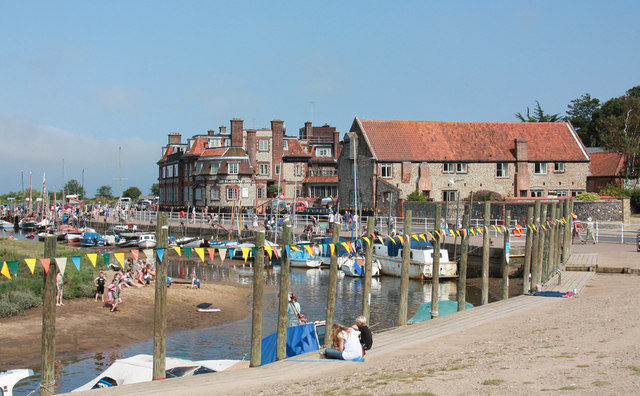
160 253
295 248
31 263
393 240
5 270
472 231
464 232
254 251
177 249
200 253
13 266
61 262
148 253
92 258
431 235
367 240
346 246
333 248
45 264
120 257
309 249
458 232
268 250
245 253
451 231
222 253
286 250
277 251
187 252
545 228
535 228
76 262
107 258
401 239
135 254
212 253
415 236
423 238
380 239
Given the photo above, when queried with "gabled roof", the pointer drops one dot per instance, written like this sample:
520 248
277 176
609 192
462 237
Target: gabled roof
295 149
167 153
198 146
214 152
606 163
441 141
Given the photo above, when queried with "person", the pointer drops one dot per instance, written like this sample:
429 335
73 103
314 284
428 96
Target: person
575 229
331 218
293 309
590 231
195 282
346 343
99 282
366 338
59 286
116 288
255 222
349 220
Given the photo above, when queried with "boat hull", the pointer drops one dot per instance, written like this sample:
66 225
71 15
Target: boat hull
392 266
347 265
305 263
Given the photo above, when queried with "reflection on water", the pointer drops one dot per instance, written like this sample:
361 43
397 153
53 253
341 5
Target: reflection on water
232 340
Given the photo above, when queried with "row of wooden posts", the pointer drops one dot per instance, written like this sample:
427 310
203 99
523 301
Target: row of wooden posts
545 251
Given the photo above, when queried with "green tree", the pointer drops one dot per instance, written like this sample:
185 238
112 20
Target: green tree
416 196
155 189
132 192
104 191
580 113
74 188
538 115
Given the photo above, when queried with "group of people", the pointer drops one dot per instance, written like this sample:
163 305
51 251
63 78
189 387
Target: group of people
349 343
135 274
578 229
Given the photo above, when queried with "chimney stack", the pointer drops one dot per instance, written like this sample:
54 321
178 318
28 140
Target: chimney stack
175 138
277 133
252 147
223 130
236 132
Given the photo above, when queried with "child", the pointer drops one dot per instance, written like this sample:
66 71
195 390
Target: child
59 285
366 339
111 290
195 282
99 282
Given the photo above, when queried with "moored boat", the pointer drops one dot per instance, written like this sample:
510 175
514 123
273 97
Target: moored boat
146 241
8 379
5 225
92 239
186 241
27 223
355 266
420 264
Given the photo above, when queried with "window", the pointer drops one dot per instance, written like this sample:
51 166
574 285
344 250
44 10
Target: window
386 170
558 167
447 168
323 191
298 192
502 169
461 167
232 168
540 168
263 145
215 167
215 142
263 169
323 172
277 169
232 194
387 196
175 170
285 144
298 170
259 192
575 193
323 151
562 193
198 167
170 171
164 172
215 193
537 193
449 195
198 194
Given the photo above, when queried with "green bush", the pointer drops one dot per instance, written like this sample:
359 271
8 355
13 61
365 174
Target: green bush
16 302
487 195
614 190
635 200
416 197
588 196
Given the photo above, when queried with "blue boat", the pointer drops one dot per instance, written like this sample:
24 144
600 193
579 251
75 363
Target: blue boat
92 239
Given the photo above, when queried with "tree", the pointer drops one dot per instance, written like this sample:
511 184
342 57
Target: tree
416 196
539 115
104 191
155 189
74 188
132 192
580 113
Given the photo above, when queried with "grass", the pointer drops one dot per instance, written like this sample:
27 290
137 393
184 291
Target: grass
635 369
493 382
601 383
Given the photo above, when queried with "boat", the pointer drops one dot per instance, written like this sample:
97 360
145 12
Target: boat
92 239
27 223
186 241
146 241
420 264
42 225
31 235
43 235
300 339
139 368
9 378
127 242
63 230
5 225
73 237
355 266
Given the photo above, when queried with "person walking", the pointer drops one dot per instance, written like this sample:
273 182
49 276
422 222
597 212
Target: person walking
590 231
576 228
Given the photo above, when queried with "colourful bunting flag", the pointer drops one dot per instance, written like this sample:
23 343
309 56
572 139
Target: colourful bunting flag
287 249
187 252
232 253
211 252
333 248
200 253
160 252
309 249
545 228
120 258
222 253
473 232
5 270
393 240
177 249
458 232
268 249
92 258
45 264
61 262
31 263
107 258
149 253
367 240
346 246
415 236
423 238
135 254
76 261
245 253
401 240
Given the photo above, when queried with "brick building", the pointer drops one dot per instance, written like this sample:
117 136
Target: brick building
606 167
447 160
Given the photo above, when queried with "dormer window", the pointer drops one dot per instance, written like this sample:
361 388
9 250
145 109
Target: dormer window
233 168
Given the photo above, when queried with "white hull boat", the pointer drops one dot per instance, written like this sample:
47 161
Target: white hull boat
147 241
5 225
420 264
8 379
355 266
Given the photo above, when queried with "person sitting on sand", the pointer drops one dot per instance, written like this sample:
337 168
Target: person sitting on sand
346 343
366 338
195 282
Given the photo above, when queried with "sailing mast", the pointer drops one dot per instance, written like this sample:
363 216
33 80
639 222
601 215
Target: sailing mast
30 198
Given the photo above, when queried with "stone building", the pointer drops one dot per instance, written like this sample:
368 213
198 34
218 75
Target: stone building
445 161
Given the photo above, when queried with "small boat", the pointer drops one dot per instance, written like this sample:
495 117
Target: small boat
139 368
92 239
146 241
127 242
31 235
355 266
302 259
62 231
43 235
42 225
27 223
9 378
186 241
300 339
5 225
420 264
73 237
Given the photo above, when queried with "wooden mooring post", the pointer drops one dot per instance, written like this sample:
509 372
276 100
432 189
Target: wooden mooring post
47 376
368 262
505 257
526 273
404 272
160 305
462 268
435 267
485 254
542 246
281 337
535 252
551 240
333 284
557 258
258 291
566 246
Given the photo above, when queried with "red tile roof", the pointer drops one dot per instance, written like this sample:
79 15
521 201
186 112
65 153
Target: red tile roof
606 163
198 146
441 141
321 179
167 153
214 152
295 149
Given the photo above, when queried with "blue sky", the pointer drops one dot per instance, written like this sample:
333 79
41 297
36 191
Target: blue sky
80 79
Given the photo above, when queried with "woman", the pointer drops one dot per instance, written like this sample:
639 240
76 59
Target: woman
346 343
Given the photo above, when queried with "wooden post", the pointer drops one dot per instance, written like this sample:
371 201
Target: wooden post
333 284
551 238
368 262
557 257
505 258
462 269
566 246
258 290
404 273
485 254
535 253
526 280
160 305
281 337
541 245
47 376
435 267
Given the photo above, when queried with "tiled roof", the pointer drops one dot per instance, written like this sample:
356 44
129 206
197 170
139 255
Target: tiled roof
606 163
295 149
442 141
198 146
167 153
214 152
321 179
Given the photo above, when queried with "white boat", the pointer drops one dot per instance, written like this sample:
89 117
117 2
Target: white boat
146 241
355 266
73 237
302 259
420 264
139 368
5 225
8 379
186 241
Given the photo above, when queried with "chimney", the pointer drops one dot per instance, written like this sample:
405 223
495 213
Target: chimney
175 138
336 143
521 185
307 130
236 132
211 132
277 137
521 150
252 147
223 129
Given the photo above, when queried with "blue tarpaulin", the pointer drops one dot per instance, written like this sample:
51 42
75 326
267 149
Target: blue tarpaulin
300 339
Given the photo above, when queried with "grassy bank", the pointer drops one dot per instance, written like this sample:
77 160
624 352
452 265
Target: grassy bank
24 290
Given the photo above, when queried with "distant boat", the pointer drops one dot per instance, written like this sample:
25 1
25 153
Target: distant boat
127 242
92 239
5 225
420 264
146 241
186 241
8 379
355 266
27 223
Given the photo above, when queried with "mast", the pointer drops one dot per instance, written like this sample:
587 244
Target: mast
30 194
63 197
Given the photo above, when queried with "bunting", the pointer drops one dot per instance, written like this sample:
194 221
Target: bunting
92 258
120 258
148 253
160 252
187 252
269 251
5 270
211 252
333 248
200 253
13 266
31 263
309 249
135 254
177 249
45 264
61 262
76 261
221 253
232 253
245 253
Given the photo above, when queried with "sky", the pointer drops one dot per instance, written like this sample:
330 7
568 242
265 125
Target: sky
90 90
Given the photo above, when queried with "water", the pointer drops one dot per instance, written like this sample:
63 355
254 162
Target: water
232 340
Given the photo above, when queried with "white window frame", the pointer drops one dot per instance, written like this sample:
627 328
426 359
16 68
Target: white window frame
215 193
386 170
462 167
502 170
198 167
449 195
277 169
263 169
323 151
558 167
539 168
215 168
298 170
233 168
232 193
259 192
536 193
285 144
575 193
263 145
448 167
